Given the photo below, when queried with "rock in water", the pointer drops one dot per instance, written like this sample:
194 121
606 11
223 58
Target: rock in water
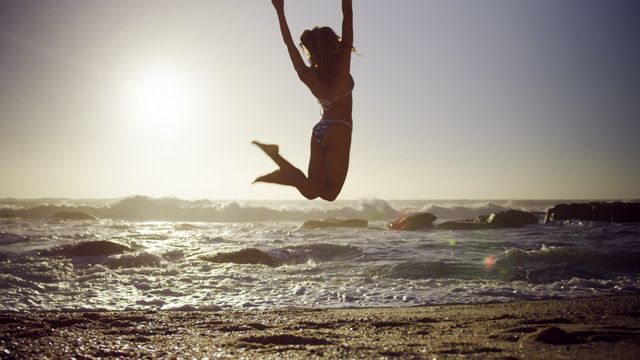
413 222
316 224
500 220
511 219
244 256
73 215
7 215
89 248
616 212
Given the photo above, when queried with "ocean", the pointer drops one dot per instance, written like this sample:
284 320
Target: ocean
148 253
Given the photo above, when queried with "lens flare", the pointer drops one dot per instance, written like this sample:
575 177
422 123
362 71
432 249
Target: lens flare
489 262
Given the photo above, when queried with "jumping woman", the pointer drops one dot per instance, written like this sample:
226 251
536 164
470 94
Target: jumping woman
328 78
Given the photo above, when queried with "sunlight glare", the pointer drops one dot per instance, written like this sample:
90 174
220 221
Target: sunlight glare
159 96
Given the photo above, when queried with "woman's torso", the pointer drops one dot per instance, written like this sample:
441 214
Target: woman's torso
336 100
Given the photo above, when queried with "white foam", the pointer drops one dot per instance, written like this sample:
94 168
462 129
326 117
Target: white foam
321 268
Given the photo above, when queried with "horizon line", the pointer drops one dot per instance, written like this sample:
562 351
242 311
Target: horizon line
304 200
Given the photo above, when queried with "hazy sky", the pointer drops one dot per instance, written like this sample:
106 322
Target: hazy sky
453 99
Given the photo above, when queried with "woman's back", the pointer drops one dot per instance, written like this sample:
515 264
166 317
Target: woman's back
335 99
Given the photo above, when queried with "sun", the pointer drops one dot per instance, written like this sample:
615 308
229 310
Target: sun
159 96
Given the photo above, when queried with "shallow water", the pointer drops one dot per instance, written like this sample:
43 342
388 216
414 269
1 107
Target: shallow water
172 264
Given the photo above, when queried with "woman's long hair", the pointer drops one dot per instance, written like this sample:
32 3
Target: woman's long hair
322 46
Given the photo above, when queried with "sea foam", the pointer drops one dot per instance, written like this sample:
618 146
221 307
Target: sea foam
267 260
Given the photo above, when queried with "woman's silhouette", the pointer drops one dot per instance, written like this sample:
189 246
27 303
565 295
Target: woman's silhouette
329 79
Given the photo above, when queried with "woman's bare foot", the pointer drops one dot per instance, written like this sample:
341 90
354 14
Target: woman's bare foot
282 177
287 174
276 177
269 149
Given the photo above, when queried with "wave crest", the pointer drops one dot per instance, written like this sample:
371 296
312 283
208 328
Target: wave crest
144 208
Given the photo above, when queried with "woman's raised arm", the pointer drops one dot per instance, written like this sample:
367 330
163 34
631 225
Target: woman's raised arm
347 24
298 63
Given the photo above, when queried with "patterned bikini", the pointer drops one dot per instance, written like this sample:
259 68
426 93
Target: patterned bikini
322 126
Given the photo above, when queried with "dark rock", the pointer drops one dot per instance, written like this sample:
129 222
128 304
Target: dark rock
73 215
616 212
244 256
90 248
316 224
556 336
511 219
413 222
7 215
94 248
500 220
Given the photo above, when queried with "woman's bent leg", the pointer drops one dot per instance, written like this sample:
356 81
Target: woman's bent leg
289 175
288 178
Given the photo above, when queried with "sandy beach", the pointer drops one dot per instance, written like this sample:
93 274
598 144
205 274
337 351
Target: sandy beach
322 179
587 328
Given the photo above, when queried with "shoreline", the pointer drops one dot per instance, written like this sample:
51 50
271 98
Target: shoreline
586 328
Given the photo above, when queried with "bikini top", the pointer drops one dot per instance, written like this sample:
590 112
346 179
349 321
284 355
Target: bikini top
327 104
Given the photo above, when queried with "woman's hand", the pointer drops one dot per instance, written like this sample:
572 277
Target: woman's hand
278 4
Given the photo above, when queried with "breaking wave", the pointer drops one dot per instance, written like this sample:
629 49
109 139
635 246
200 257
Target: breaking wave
556 263
143 208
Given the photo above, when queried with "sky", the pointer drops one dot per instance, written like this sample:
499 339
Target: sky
491 99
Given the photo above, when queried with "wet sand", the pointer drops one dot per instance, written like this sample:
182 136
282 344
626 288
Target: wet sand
592 328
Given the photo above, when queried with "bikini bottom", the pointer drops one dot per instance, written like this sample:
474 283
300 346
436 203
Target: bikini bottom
322 126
